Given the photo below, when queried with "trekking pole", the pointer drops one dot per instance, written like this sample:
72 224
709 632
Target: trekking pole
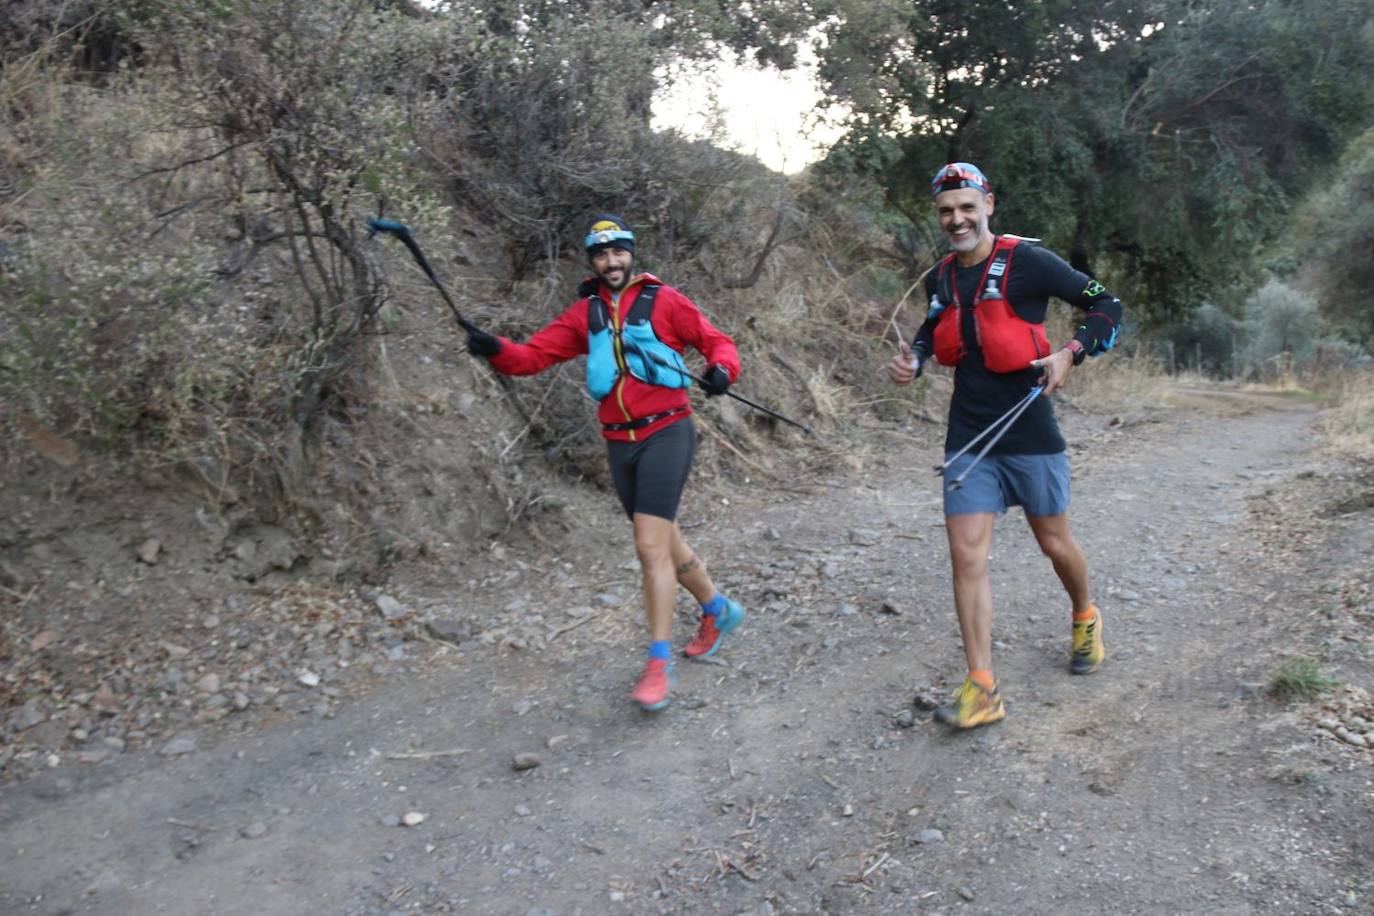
1030 396
1019 409
402 232
738 397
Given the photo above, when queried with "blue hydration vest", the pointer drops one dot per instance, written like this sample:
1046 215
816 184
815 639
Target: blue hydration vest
611 352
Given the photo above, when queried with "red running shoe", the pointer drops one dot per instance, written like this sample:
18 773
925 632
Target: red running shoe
651 693
714 629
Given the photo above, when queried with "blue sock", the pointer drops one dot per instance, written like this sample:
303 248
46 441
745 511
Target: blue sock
661 649
714 606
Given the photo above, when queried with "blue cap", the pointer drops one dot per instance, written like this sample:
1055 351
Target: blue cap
959 175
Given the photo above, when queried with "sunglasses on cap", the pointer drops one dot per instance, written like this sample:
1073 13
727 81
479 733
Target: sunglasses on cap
959 175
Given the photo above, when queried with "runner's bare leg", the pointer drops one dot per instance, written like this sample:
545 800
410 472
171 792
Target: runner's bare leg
970 540
1070 564
654 545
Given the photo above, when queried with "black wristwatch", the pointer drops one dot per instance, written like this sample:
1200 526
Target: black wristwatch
1078 351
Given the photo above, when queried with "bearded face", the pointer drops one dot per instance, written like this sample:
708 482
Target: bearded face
612 266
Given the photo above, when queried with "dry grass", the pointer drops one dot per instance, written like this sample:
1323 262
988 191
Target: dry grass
1121 382
1348 427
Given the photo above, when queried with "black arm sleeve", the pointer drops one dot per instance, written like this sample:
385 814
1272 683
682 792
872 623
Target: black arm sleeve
1098 327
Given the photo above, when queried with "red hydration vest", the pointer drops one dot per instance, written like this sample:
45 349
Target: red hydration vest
1007 340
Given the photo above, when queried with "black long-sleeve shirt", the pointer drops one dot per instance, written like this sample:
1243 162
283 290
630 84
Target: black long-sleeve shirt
981 395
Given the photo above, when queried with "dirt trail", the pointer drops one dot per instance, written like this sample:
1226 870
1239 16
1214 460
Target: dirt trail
790 777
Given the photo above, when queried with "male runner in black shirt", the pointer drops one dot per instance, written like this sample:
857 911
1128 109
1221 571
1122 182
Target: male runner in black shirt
987 310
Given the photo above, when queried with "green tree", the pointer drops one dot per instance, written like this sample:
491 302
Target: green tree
1158 143
1333 240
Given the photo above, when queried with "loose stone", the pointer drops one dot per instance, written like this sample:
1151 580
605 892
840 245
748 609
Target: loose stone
391 608
182 744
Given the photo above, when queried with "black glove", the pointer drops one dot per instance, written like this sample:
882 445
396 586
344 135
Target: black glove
715 381
480 343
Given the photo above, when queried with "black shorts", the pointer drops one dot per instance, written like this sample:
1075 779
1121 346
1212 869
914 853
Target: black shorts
649 476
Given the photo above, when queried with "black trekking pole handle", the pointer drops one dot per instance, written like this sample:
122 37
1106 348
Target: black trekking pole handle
402 231
738 397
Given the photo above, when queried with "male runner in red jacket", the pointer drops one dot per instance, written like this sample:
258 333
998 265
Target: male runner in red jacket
633 329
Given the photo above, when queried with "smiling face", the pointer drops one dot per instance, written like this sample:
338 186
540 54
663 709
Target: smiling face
964 215
612 265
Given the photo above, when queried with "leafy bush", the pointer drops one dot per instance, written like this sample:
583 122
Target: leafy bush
1282 327
1208 341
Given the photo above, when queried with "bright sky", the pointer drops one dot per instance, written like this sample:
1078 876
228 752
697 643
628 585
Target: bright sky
763 112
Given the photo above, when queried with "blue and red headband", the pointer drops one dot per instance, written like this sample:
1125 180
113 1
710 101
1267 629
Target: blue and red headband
959 175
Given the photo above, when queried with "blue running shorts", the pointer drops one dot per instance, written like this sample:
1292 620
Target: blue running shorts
1039 484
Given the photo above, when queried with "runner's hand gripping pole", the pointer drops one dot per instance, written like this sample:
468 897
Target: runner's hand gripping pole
1001 425
645 354
402 232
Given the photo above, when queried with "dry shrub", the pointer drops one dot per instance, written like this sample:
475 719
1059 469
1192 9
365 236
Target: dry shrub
99 301
191 285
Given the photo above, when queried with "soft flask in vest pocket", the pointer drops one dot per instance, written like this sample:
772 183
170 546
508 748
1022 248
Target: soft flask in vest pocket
636 339
1007 340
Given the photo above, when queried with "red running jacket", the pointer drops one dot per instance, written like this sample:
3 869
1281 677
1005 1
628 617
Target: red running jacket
676 321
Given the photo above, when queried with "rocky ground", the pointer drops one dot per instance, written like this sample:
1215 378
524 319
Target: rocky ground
459 740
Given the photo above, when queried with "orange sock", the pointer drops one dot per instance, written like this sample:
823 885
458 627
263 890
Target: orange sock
983 678
1089 614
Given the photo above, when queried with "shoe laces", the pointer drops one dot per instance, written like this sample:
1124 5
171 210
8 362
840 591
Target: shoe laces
708 630
1089 631
973 693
